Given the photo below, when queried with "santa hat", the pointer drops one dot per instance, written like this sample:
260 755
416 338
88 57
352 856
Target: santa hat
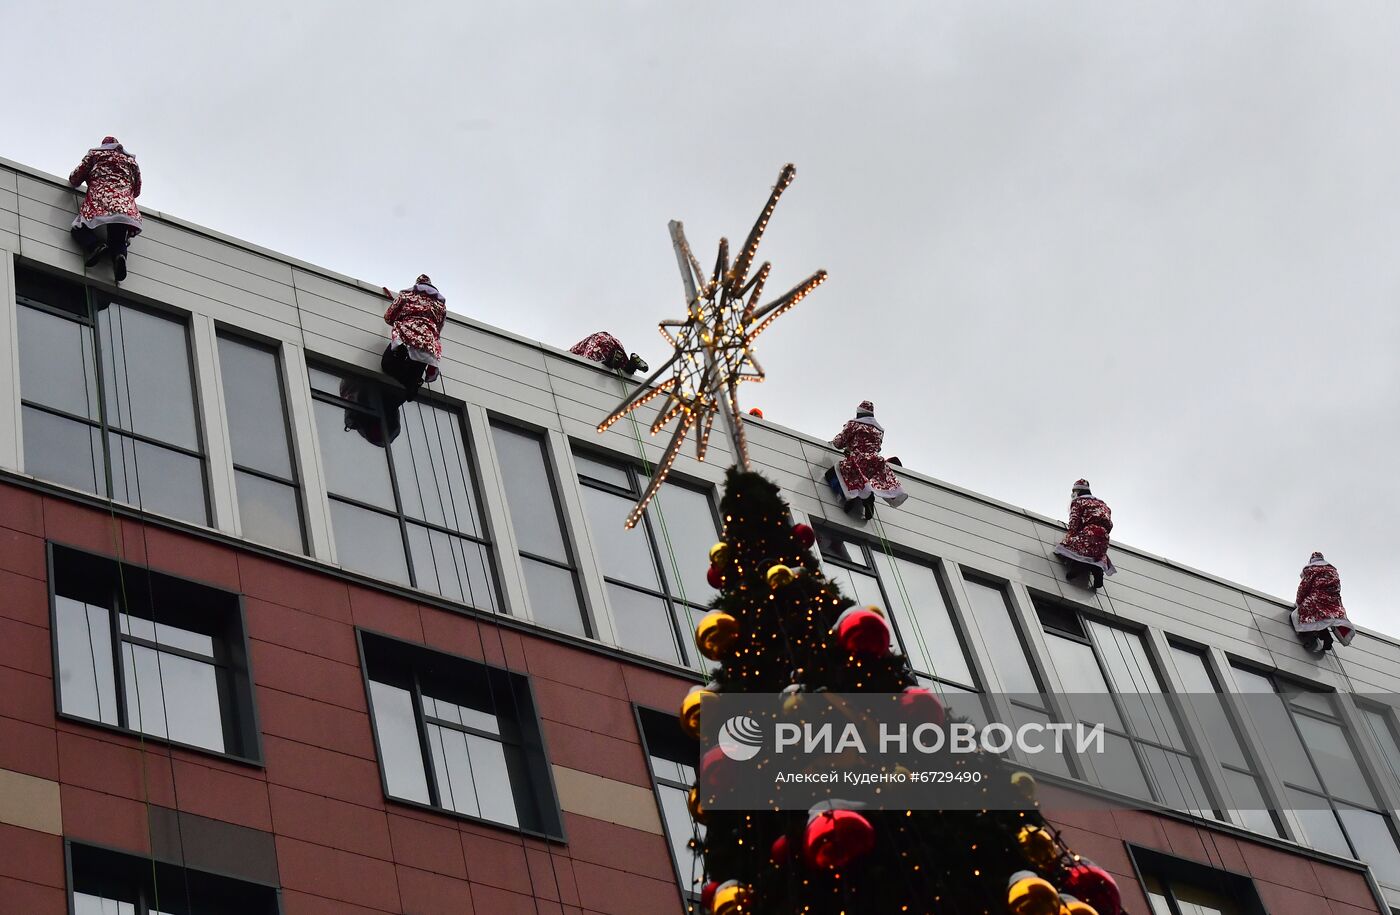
110 143
1316 559
866 408
1080 485
425 285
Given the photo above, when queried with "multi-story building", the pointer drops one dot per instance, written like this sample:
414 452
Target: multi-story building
266 647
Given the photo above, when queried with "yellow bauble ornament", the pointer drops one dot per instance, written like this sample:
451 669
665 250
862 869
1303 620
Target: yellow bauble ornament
1039 845
1024 784
1071 906
692 803
780 576
715 634
690 709
732 899
719 554
1030 894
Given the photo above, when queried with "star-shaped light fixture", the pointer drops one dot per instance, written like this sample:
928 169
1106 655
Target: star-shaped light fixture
713 345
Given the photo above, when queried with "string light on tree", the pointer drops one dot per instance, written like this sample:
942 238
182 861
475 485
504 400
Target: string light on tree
712 345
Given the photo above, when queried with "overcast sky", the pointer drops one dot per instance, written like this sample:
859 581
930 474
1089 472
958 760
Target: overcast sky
1149 244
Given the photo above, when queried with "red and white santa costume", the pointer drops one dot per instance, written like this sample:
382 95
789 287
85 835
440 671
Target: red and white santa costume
862 472
602 347
417 315
113 184
1319 601
1090 522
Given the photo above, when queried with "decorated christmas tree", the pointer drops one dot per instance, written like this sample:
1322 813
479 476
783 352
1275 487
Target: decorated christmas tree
778 626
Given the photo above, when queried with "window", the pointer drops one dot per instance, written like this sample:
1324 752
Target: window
111 883
403 496
1243 793
269 505
656 585
1176 886
918 605
1024 690
672 757
551 578
1325 787
108 399
1109 679
1377 720
147 652
458 735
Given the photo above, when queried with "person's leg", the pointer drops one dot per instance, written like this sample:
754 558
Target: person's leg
1097 581
1326 639
117 235
1072 569
92 246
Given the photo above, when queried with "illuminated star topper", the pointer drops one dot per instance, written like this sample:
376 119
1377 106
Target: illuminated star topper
713 345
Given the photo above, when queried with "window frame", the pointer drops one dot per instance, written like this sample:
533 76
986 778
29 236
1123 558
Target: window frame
1335 803
239 338
511 428
934 565
401 517
88 320
539 768
1048 606
1168 869
675 603
690 897
144 867
241 727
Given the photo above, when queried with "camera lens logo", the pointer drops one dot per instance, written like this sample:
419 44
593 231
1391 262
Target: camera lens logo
740 738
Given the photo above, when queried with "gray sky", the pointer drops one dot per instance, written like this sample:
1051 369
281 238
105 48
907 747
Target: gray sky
1152 244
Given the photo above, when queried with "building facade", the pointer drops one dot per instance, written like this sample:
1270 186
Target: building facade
267 646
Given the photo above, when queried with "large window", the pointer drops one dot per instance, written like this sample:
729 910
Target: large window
1326 788
1025 692
1109 679
655 573
147 652
1177 886
403 496
269 506
108 397
458 735
672 757
107 882
551 579
918 606
1244 796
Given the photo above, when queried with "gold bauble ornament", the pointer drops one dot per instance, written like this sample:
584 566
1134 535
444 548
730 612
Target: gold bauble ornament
1024 784
719 554
1071 906
692 803
732 899
690 710
780 576
1038 845
716 634
1030 894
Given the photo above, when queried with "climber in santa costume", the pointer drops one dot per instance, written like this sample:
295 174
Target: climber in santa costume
605 348
1319 613
862 474
1085 545
108 217
416 316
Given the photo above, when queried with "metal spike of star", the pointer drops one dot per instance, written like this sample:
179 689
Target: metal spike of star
713 345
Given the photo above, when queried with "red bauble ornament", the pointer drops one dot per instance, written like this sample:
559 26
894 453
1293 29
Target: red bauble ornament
707 895
715 577
835 838
1090 883
778 853
716 771
922 704
804 534
861 630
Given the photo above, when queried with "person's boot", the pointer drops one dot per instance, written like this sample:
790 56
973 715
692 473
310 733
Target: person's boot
1314 645
119 267
90 258
1071 571
1097 579
868 508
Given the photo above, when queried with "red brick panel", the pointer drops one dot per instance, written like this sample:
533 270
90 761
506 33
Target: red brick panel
28 748
340 875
